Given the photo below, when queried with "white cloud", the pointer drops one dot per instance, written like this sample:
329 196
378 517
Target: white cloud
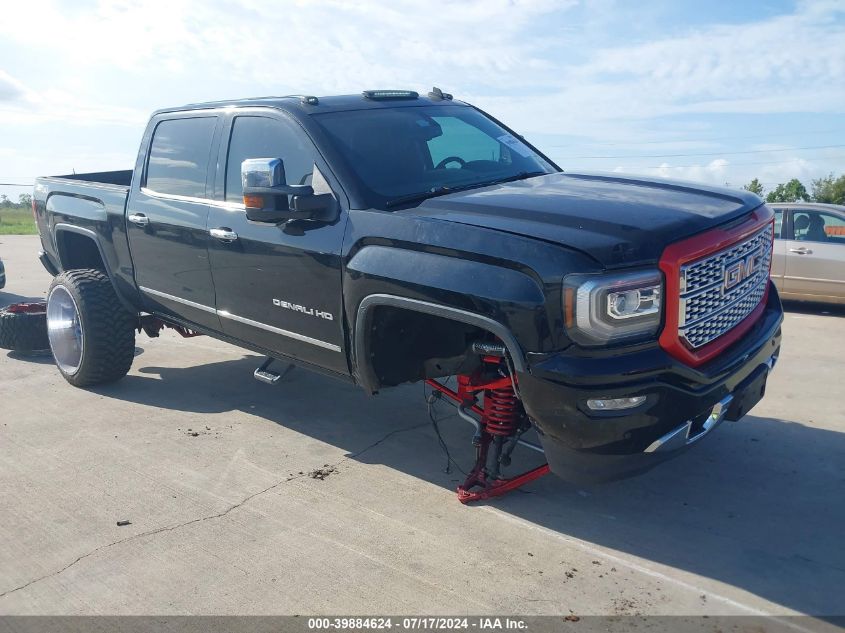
26 106
10 88
331 44
484 46
529 62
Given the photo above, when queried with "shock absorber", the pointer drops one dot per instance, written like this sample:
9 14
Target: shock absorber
501 411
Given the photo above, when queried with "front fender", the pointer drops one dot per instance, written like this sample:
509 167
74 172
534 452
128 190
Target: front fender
506 302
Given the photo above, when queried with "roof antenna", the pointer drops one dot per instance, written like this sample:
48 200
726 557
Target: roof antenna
437 94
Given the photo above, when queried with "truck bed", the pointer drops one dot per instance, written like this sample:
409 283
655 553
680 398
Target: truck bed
122 177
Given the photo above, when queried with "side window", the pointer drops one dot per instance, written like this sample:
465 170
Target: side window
778 223
178 160
818 226
262 137
464 141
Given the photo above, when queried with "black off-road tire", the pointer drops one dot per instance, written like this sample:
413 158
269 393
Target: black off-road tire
23 331
108 328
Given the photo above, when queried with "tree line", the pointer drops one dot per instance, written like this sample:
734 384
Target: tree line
829 189
24 202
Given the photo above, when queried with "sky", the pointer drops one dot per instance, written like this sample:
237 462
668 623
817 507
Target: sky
719 92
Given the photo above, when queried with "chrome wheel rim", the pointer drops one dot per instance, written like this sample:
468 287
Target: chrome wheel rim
64 330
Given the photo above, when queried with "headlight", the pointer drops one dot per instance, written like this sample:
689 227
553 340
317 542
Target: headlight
606 309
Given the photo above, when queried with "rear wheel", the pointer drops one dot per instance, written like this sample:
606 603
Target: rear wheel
91 334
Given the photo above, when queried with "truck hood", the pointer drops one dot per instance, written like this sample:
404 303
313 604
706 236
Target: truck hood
618 221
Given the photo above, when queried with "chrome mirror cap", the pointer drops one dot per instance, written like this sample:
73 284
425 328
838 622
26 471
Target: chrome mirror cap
262 172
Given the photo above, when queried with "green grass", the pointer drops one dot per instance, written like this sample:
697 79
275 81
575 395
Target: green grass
17 222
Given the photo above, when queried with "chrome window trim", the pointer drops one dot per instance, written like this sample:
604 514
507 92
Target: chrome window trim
172 196
234 317
222 204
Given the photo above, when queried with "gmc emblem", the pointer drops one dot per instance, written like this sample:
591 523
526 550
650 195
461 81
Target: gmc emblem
739 271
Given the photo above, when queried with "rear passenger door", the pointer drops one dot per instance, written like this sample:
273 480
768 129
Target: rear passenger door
278 286
167 217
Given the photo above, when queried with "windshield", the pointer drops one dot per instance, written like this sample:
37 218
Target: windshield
397 153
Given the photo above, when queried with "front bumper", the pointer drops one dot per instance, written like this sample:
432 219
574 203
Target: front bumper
683 404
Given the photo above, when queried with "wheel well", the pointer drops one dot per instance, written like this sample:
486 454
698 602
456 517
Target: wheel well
78 251
407 346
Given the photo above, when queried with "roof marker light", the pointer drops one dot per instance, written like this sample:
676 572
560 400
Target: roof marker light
390 94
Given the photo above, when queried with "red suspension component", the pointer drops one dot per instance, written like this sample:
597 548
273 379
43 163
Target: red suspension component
501 411
152 326
501 422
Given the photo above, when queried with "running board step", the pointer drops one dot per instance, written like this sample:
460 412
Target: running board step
270 377
267 375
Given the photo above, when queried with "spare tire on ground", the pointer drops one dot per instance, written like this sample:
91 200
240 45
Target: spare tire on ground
23 327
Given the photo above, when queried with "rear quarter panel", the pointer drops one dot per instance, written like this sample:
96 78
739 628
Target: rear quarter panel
95 210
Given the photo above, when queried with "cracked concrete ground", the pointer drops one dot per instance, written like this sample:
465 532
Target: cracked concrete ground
310 497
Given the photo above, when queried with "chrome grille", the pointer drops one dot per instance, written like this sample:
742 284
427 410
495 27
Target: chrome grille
719 291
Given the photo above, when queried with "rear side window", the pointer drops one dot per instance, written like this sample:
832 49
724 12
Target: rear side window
262 137
179 156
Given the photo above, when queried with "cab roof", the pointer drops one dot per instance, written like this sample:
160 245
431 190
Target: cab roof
307 104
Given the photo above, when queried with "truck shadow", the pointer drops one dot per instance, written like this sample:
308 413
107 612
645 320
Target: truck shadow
758 505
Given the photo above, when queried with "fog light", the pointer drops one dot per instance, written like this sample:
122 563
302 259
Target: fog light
615 404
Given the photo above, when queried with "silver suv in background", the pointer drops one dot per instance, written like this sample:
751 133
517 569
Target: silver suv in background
808 262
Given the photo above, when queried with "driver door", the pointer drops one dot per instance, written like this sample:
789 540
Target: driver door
278 286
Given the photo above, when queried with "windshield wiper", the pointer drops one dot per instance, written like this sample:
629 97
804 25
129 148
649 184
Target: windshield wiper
419 197
442 191
520 176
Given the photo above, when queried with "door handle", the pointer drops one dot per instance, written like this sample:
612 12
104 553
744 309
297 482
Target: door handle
139 218
801 251
224 234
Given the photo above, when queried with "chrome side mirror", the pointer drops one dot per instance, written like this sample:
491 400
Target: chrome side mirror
266 193
262 172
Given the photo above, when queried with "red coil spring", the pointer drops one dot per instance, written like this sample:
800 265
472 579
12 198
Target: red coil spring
501 411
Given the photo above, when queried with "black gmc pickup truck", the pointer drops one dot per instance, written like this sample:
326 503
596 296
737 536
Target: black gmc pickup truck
388 237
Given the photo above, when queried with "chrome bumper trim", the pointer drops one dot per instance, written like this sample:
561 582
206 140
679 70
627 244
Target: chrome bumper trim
680 437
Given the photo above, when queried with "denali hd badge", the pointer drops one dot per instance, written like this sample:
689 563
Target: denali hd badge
304 310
